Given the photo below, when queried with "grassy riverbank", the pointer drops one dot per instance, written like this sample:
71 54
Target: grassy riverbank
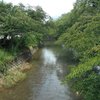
14 75
5 57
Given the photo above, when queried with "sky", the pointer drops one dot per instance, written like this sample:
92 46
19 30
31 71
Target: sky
54 8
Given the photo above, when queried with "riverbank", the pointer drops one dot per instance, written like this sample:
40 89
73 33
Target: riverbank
16 73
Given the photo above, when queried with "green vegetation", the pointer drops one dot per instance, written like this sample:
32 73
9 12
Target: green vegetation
86 79
19 23
79 31
12 78
4 58
21 27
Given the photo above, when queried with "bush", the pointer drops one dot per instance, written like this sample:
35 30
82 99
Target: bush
85 79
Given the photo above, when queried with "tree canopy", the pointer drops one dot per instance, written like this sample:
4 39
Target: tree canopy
20 21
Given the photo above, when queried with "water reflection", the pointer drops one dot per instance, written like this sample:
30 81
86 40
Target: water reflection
48 57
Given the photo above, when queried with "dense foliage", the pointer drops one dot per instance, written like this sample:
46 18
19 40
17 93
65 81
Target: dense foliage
20 27
18 21
79 30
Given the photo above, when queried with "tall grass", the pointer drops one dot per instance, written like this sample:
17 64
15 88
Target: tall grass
4 58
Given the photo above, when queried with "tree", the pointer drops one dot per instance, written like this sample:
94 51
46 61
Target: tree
17 21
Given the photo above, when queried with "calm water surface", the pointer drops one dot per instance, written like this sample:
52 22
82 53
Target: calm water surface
44 80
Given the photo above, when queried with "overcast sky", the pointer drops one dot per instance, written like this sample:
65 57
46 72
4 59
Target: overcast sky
53 7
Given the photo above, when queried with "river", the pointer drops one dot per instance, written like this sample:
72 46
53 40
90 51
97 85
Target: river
44 80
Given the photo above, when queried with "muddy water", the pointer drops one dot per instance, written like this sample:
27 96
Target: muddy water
44 80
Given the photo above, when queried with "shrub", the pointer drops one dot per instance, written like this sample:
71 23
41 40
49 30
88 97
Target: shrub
85 79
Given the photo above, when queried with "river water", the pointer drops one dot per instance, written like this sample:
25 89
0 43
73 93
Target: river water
44 80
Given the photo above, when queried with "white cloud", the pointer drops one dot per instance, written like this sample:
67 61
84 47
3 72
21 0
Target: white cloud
53 7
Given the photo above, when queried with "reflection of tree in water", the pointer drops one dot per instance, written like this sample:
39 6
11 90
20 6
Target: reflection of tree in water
68 55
